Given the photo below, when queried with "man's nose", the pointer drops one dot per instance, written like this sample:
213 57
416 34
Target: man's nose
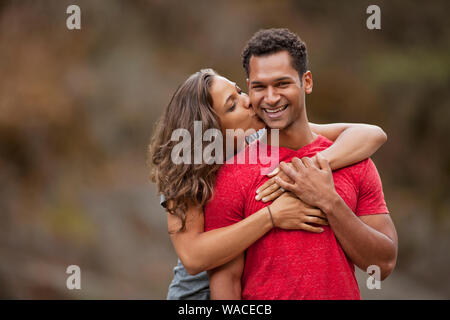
272 97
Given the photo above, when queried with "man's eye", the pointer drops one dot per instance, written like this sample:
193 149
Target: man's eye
283 84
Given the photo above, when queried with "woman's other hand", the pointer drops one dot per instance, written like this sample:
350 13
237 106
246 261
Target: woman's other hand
270 190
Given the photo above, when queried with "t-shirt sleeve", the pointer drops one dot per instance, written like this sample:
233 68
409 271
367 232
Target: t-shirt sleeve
371 196
226 206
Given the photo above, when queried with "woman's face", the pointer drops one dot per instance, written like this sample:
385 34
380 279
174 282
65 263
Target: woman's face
233 106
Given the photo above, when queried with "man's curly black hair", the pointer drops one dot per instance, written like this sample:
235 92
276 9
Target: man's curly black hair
268 41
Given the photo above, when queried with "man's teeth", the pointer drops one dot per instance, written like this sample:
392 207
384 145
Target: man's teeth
276 110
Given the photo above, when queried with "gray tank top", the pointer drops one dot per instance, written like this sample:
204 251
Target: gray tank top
188 287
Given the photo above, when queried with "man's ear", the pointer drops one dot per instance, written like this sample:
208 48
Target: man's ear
307 82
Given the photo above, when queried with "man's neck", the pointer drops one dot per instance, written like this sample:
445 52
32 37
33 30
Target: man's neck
297 135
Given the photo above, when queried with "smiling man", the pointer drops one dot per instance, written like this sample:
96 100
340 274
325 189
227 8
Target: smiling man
291 264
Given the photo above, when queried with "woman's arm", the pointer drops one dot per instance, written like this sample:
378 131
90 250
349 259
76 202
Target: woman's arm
200 251
353 142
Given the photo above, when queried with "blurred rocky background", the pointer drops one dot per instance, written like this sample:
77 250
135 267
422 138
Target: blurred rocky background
77 109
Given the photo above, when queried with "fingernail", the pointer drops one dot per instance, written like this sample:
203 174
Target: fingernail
257 191
258 197
264 199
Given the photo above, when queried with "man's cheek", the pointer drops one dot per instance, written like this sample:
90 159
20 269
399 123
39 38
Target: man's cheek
255 100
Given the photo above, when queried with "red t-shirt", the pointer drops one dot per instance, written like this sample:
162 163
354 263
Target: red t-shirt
294 264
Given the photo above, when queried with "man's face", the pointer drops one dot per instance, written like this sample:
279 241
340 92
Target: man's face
276 91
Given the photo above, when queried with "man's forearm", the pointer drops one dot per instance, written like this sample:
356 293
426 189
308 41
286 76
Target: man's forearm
225 281
363 244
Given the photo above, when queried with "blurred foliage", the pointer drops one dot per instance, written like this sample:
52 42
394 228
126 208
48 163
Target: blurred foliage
77 109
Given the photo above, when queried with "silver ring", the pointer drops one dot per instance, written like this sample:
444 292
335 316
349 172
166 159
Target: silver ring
282 189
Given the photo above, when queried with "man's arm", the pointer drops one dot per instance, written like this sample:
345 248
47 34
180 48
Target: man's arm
225 281
368 240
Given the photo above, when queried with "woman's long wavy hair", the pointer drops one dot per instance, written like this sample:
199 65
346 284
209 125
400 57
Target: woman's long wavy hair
184 184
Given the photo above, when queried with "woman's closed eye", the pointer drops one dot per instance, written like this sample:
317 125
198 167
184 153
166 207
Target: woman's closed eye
232 107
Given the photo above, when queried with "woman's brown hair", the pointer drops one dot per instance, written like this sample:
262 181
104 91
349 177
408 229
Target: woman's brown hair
184 184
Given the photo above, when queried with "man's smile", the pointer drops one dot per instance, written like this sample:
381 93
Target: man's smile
275 112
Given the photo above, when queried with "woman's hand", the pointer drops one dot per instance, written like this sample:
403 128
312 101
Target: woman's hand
270 190
289 212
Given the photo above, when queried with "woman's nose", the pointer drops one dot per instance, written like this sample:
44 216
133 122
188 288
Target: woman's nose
246 98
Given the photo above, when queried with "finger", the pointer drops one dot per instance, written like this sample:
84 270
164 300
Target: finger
308 162
314 160
273 195
266 184
298 164
323 163
307 206
290 172
309 228
316 220
285 185
271 189
316 213
274 172
285 177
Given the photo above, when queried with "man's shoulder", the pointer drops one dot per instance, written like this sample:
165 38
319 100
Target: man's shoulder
359 166
356 168
356 172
